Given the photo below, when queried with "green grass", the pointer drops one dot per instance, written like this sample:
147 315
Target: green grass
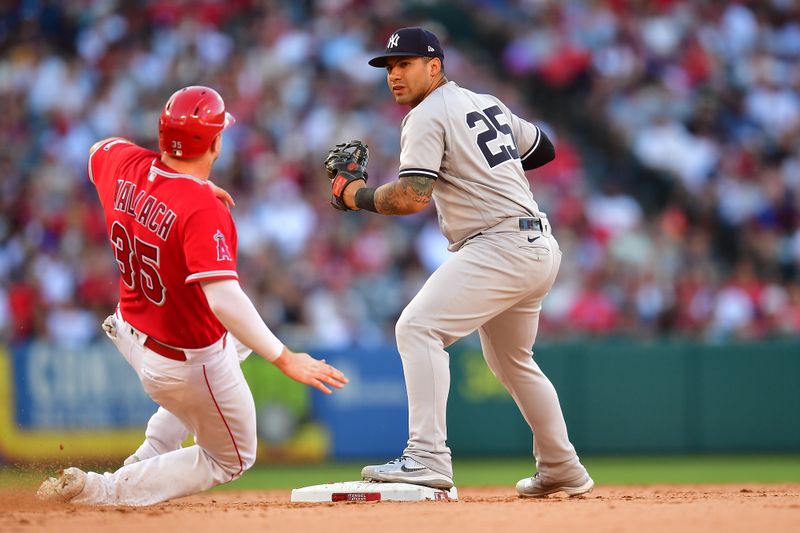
696 469
506 472
604 470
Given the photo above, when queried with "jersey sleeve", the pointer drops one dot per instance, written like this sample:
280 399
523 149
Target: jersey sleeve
527 135
422 143
535 149
105 159
209 244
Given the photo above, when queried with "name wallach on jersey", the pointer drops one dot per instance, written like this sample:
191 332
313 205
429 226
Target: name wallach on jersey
150 212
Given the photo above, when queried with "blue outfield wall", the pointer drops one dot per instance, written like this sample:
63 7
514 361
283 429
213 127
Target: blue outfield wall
626 397
618 397
368 417
69 387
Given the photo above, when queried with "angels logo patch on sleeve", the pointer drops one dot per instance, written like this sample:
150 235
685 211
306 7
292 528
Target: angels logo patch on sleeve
223 252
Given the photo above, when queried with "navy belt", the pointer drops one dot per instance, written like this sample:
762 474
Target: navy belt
530 224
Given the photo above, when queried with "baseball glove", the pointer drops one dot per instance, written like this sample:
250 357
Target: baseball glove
346 163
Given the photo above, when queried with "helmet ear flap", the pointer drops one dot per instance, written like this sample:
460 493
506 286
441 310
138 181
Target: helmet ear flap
191 120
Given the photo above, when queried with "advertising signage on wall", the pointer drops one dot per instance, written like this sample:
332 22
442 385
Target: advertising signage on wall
59 403
76 388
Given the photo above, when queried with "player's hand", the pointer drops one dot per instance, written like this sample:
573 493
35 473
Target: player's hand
346 163
309 371
222 194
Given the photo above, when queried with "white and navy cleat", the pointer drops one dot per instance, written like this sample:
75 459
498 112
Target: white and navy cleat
536 487
405 469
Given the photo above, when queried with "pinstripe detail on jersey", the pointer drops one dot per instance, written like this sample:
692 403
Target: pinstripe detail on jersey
155 170
535 143
212 274
419 172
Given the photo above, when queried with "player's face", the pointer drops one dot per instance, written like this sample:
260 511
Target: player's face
410 78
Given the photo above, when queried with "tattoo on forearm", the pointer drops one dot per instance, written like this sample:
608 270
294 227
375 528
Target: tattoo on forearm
404 195
389 199
419 187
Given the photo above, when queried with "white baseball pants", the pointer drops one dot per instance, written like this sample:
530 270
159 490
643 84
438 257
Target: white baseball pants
165 432
210 397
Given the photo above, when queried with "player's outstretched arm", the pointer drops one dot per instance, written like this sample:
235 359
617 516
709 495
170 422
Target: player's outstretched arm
315 372
233 308
405 196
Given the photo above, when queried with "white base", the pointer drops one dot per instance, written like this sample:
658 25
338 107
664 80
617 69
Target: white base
371 491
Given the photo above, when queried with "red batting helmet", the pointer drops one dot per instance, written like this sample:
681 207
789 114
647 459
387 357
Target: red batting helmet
191 119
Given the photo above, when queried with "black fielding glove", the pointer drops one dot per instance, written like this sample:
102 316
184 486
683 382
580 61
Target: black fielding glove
346 162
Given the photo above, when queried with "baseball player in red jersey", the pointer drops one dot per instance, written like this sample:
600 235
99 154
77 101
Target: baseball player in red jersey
175 244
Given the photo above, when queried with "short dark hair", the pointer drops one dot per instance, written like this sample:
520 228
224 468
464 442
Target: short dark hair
429 59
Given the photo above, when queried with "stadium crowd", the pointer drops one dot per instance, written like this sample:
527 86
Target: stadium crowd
707 93
704 91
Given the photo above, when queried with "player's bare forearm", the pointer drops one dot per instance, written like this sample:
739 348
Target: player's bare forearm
405 196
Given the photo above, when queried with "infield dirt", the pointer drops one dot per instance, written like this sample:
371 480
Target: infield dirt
652 508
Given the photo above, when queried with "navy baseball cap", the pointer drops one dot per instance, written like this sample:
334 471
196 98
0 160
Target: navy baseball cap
409 42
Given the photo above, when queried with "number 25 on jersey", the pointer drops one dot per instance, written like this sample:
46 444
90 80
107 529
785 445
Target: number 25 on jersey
507 148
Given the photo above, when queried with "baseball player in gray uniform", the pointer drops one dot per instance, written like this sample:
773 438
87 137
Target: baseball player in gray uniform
468 153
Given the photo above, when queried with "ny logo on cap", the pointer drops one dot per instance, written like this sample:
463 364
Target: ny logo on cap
393 41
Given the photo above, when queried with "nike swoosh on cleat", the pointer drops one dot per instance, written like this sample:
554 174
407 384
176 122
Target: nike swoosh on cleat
404 468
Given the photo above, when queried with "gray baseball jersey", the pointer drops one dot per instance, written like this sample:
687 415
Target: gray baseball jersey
505 262
473 145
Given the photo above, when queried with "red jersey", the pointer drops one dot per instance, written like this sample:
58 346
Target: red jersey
168 232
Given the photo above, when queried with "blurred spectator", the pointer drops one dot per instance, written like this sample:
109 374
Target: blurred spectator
705 92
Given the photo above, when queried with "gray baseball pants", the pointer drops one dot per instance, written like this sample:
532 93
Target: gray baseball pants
495 283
